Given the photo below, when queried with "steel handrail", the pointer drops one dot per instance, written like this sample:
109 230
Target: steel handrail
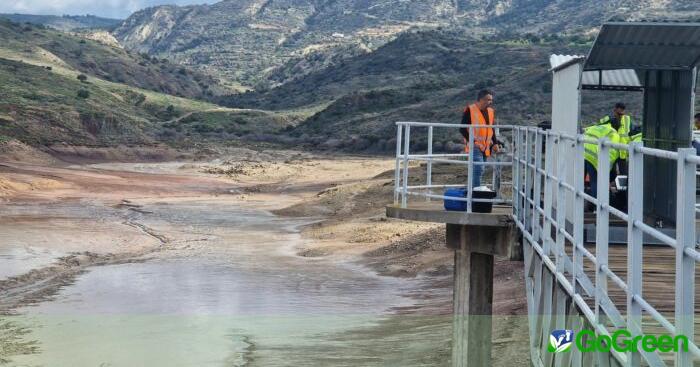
533 217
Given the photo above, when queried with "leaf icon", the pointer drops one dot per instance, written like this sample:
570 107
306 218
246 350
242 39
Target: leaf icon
553 343
563 348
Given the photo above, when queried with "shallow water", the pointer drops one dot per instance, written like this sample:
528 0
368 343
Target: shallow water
230 293
17 260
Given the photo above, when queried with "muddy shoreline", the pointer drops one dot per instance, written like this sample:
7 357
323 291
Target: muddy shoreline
345 196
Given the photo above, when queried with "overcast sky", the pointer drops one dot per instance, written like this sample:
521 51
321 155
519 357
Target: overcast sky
103 8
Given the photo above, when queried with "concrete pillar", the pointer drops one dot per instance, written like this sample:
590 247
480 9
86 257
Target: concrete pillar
475 247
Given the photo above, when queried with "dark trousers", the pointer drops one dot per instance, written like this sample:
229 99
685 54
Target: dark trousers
593 176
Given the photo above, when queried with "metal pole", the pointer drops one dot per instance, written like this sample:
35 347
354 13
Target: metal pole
561 205
579 204
496 169
529 177
429 169
522 174
515 172
685 265
548 182
397 169
602 229
470 169
537 194
406 143
635 245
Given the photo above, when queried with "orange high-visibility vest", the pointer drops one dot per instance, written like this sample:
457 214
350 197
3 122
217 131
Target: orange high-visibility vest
482 136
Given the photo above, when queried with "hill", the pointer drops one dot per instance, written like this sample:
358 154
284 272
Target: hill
260 44
244 39
42 106
420 76
65 22
55 89
95 58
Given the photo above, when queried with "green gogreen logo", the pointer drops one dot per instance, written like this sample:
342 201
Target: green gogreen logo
560 341
621 340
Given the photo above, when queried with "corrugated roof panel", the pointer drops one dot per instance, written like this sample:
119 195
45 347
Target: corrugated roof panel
616 78
645 45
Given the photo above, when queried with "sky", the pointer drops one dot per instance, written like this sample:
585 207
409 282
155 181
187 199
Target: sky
103 8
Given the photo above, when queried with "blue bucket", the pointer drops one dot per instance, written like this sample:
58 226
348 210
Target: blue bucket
461 206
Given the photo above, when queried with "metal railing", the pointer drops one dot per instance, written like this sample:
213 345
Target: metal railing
545 227
549 198
404 157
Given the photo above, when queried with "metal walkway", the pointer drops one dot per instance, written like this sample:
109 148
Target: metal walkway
575 281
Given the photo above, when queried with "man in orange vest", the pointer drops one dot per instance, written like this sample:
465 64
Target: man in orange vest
480 113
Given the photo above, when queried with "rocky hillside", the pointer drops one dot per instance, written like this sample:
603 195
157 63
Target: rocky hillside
586 15
60 88
264 43
246 39
66 22
334 74
420 76
95 58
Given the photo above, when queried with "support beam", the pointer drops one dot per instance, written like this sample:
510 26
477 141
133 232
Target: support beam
475 247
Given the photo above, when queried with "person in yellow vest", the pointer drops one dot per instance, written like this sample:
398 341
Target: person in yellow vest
590 154
636 134
482 113
625 124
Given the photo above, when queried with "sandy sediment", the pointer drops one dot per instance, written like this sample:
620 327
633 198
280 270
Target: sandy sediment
346 194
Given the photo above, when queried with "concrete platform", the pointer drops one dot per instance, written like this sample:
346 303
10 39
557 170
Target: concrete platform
434 212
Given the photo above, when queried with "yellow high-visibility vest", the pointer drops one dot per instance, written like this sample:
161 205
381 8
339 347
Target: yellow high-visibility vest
597 132
636 138
623 131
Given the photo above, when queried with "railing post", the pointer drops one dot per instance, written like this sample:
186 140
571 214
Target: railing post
429 168
602 230
685 265
579 204
522 174
497 169
397 169
470 169
561 204
406 144
528 181
635 244
548 168
516 172
522 137
537 189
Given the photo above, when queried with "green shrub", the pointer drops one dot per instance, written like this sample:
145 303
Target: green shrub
84 94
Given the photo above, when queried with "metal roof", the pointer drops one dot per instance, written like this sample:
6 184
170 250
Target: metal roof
645 45
622 79
558 62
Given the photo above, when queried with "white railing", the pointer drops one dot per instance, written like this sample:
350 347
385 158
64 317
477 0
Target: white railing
548 199
402 190
534 217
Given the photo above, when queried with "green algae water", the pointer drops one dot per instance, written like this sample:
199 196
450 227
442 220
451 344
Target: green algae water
230 292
